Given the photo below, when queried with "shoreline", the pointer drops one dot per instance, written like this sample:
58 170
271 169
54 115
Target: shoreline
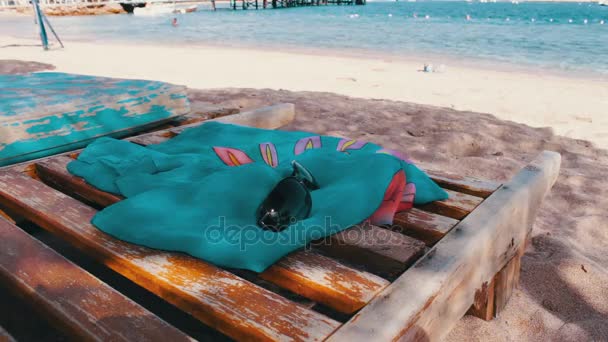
572 106
359 54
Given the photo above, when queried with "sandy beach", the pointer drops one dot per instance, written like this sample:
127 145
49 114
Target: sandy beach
438 119
574 107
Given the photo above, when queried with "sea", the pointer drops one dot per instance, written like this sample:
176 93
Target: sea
567 37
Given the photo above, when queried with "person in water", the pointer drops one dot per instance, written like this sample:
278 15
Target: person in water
174 22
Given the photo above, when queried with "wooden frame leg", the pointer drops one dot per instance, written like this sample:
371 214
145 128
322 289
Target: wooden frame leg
492 297
483 305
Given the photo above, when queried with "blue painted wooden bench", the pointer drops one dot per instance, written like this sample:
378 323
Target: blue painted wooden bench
43 114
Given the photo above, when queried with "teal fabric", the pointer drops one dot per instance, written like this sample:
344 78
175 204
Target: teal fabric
182 195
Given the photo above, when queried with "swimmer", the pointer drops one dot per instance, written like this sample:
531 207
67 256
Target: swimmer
174 22
468 17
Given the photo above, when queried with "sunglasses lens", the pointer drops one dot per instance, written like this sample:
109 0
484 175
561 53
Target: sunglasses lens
287 203
304 176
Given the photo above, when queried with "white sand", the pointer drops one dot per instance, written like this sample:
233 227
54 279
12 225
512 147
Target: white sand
573 107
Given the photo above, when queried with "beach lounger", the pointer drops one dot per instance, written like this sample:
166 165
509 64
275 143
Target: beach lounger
439 261
48 113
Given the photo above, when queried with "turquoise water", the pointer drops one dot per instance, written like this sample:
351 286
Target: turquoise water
558 36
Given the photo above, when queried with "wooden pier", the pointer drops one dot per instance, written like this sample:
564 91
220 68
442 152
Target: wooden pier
233 4
257 4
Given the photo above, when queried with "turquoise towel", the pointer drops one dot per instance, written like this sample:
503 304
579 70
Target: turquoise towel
198 192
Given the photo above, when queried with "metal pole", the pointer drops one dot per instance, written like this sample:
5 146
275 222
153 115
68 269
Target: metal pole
43 36
46 20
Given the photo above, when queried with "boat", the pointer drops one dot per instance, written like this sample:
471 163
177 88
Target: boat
160 9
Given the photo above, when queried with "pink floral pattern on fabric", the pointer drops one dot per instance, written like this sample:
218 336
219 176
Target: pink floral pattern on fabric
232 156
407 201
391 202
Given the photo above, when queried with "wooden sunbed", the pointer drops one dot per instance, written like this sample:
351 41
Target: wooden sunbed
411 281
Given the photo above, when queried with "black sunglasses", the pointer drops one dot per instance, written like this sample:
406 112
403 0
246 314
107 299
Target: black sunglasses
289 201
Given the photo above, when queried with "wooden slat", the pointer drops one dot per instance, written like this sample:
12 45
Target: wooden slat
427 300
423 225
152 138
380 251
457 206
77 302
324 280
466 185
364 285
270 117
222 300
204 111
53 171
5 336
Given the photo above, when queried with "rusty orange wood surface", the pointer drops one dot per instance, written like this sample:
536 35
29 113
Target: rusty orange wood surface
483 304
76 301
222 300
324 280
423 225
457 206
466 185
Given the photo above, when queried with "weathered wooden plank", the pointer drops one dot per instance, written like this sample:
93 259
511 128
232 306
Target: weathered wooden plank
423 225
363 285
324 280
222 300
74 300
466 185
378 250
430 297
270 117
53 171
457 206
5 336
200 111
151 138
47 113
